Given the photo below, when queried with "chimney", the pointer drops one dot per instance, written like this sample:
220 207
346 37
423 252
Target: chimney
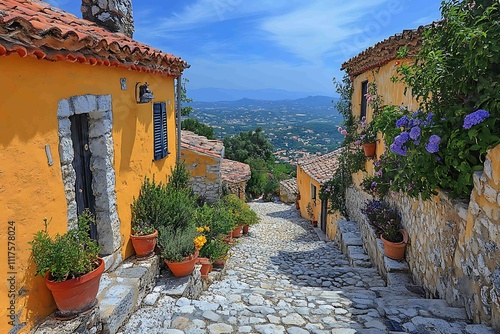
113 15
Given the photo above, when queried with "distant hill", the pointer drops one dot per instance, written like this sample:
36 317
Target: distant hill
310 101
222 94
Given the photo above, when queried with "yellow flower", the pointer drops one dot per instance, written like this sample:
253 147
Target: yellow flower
199 241
199 229
207 228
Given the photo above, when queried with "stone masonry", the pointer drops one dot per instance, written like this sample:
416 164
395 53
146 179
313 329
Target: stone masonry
453 251
113 15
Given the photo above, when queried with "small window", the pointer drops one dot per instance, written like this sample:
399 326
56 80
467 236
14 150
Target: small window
364 102
313 191
160 130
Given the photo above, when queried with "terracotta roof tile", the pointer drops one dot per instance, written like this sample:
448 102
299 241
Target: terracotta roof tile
200 144
290 185
28 26
384 51
235 171
321 168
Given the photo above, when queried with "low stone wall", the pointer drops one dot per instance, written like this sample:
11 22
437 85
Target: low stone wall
454 249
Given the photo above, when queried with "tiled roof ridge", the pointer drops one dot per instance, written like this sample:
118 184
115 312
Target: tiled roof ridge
321 168
34 28
290 185
235 171
315 158
385 51
193 141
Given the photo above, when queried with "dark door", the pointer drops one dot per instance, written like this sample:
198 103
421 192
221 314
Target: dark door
324 213
81 163
364 102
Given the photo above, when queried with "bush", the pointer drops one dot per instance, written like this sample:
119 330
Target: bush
215 249
384 219
148 211
218 218
179 209
176 244
66 256
179 178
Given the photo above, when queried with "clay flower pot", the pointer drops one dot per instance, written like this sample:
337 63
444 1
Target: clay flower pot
76 295
219 263
237 232
144 245
245 229
314 223
183 268
369 149
395 250
206 267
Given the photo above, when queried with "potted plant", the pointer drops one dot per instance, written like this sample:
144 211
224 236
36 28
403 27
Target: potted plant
216 250
146 213
248 218
387 224
368 138
71 266
236 207
310 213
178 249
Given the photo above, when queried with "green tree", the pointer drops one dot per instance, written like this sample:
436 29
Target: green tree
185 110
197 127
246 145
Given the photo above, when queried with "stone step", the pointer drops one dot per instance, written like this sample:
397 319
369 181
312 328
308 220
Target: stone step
358 257
122 291
413 307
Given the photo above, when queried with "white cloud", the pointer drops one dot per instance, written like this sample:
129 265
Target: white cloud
321 28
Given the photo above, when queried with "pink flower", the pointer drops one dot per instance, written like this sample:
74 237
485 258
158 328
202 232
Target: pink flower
343 132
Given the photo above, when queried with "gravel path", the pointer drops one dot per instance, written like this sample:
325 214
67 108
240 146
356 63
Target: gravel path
282 279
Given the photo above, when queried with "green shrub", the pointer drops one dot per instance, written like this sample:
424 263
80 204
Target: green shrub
148 211
218 218
215 249
69 255
176 244
179 208
179 179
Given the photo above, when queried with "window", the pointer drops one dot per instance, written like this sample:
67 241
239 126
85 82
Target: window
364 91
313 191
160 130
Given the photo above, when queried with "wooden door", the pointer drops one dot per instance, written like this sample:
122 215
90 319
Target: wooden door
81 163
324 214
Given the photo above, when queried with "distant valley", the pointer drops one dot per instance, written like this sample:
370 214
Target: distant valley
295 127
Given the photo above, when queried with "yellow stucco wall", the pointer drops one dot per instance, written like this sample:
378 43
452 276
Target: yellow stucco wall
30 189
304 182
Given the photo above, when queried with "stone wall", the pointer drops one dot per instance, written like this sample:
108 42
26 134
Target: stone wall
454 246
114 15
207 183
237 189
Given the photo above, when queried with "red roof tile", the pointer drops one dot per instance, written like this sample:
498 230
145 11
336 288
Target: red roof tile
34 28
200 144
385 51
321 168
235 171
290 185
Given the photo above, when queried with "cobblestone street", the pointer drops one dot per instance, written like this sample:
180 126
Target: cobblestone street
282 279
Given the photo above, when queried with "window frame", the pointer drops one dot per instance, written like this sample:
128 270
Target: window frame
160 131
364 100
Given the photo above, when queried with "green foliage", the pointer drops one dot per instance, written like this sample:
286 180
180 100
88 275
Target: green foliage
179 178
66 256
197 127
215 249
186 110
176 244
248 145
148 212
218 218
455 74
179 209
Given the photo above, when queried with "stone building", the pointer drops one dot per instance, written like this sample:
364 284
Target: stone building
235 176
288 190
453 251
203 158
75 133
312 173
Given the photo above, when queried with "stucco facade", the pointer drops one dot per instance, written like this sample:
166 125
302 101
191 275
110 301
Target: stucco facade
39 96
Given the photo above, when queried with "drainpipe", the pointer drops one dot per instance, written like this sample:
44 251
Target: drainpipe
178 104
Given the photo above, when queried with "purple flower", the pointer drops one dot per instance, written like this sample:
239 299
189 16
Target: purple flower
415 133
429 117
402 138
374 184
433 144
475 118
402 121
398 149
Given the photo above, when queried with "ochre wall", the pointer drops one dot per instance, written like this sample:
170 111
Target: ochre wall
30 189
304 182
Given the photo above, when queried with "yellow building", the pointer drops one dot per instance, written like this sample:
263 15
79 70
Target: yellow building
312 173
74 134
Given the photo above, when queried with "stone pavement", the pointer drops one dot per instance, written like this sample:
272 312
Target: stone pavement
282 279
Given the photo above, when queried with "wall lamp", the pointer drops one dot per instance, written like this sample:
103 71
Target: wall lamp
145 94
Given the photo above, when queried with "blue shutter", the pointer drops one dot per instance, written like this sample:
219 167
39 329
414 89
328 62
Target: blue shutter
160 130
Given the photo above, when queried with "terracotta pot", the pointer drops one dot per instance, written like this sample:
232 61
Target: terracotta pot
395 250
219 263
314 223
206 267
183 268
369 149
229 239
237 232
245 229
76 295
144 245
297 206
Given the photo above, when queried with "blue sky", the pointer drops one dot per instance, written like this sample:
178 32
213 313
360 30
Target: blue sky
283 44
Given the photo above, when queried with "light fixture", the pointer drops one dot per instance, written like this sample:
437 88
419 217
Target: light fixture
145 94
